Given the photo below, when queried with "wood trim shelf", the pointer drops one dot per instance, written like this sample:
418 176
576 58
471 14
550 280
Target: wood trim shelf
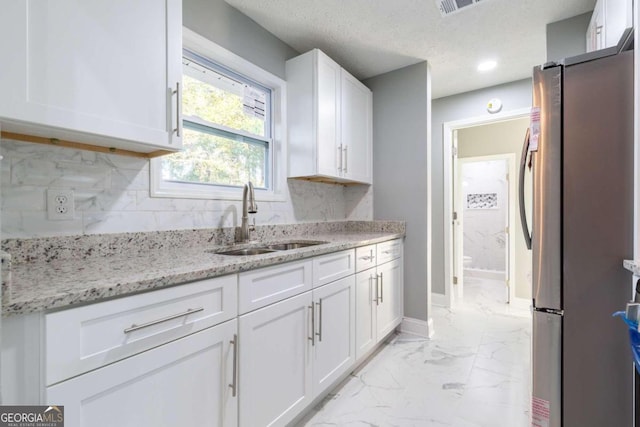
80 146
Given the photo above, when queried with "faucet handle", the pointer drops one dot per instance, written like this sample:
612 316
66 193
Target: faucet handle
252 227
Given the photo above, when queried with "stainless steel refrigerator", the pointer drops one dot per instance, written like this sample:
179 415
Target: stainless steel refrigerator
582 174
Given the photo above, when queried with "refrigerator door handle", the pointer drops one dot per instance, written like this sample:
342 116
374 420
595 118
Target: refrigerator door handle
523 167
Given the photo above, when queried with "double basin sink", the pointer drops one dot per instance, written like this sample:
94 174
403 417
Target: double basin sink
268 248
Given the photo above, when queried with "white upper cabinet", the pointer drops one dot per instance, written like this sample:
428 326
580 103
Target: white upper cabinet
356 139
329 121
100 72
609 20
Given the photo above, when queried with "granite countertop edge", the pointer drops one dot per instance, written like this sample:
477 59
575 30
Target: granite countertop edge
44 286
632 266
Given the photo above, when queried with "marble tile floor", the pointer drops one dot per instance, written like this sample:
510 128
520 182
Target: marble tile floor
475 371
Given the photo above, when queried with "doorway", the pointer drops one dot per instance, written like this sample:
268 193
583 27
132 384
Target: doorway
484 246
493 138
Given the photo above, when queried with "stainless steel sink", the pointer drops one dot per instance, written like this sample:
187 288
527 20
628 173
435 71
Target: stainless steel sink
246 251
285 246
267 248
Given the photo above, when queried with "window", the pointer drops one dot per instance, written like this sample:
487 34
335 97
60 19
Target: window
231 111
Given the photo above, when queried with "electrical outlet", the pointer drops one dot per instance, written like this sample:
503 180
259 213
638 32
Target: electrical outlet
60 204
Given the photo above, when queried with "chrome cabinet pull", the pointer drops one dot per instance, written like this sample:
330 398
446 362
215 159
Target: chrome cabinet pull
312 338
371 254
370 291
366 258
319 333
346 164
339 158
377 300
135 327
178 105
381 289
234 379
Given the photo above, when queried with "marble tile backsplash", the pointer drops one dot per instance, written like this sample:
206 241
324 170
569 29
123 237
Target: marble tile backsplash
112 196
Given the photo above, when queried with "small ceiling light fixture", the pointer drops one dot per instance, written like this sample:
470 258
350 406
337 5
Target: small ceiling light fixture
487 66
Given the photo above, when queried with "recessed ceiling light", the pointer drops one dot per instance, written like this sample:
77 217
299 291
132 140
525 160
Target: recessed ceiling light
487 66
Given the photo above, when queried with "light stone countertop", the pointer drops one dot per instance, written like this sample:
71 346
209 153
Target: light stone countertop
632 266
62 282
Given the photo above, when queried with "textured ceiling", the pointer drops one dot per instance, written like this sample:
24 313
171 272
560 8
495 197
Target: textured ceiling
371 37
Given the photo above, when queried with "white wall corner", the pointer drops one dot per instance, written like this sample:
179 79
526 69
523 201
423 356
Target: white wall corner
440 300
417 327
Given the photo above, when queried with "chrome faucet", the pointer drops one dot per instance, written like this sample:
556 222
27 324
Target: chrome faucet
248 207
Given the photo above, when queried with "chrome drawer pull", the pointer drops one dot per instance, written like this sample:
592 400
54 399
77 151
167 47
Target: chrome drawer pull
234 383
178 105
312 338
135 327
319 333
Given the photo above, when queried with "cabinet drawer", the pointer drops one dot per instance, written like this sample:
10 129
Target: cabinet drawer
365 257
85 338
388 251
191 376
259 288
328 268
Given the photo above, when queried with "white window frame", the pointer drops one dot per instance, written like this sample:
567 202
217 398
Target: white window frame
277 149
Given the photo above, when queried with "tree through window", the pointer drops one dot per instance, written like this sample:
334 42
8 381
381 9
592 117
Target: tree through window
227 128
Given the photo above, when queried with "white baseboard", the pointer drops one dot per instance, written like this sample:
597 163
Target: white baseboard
484 274
439 299
417 327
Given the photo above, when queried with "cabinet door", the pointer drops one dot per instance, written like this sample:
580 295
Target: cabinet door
596 28
100 67
275 362
618 16
389 310
334 350
328 116
365 311
182 383
356 131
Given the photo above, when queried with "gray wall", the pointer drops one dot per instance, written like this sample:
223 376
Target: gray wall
514 96
567 37
228 27
400 170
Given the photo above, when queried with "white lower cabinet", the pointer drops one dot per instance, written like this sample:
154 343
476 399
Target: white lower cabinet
183 383
182 356
365 312
379 302
292 351
334 338
389 308
275 362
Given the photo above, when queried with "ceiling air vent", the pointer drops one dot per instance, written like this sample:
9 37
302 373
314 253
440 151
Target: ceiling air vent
447 7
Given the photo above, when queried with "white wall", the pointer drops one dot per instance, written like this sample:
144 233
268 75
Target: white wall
484 237
401 104
112 192
514 96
